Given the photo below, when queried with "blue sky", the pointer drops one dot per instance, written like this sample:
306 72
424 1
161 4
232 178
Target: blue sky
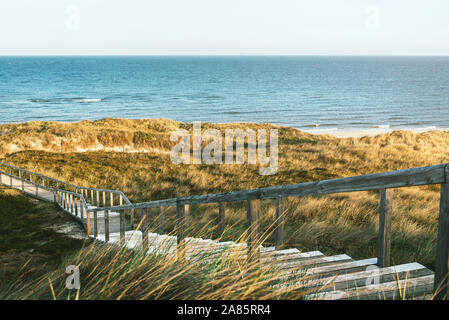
236 27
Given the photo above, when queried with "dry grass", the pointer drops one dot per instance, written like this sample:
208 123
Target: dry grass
342 223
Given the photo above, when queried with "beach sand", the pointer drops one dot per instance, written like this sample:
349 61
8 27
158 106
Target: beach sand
371 132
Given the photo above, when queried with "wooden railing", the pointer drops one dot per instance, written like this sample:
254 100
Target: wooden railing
384 182
98 197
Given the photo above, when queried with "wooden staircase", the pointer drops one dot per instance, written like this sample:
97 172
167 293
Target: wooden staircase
321 277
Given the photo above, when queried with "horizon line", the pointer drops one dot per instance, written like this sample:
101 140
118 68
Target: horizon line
224 55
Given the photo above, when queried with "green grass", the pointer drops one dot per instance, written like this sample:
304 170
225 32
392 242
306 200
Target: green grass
30 246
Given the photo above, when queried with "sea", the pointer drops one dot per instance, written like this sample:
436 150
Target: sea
312 93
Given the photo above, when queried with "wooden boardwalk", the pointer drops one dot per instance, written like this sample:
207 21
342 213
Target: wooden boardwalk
322 277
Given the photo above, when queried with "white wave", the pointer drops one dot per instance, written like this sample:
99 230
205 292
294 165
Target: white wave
87 100
381 126
321 130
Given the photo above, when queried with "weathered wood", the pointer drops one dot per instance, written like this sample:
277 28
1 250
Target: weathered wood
95 224
122 226
112 198
131 218
182 212
144 223
221 219
161 221
106 225
384 241
104 199
88 223
121 200
92 196
384 180
98 199
82 211
76 206
253 220
279 224
442 260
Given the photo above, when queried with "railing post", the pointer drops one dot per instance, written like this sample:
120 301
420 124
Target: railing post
279 223
131 218
112 199
10 176
92 196
104 199
161 221
122 227
441 280
253 217
182 211
95 224
106 225
76 206
72 207
98 199
82 210
144 218
384 241
221 219
121 200
88 223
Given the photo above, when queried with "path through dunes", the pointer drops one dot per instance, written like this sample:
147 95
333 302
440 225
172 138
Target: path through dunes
321 276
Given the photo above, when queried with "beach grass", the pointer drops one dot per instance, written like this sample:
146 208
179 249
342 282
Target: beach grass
133 156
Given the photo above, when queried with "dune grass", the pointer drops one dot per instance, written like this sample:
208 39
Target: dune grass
35 237
334 224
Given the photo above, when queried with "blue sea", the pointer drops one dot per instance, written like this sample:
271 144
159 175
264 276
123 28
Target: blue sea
308 93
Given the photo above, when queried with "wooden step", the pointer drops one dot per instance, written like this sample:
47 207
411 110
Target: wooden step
401 289
361 278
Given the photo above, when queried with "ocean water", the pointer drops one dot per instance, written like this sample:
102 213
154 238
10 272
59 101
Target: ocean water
308 93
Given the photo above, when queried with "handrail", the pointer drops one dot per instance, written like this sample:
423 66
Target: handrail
435 174
118 192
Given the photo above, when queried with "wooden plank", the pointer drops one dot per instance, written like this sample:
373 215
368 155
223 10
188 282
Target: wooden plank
106 225
385 180
384 241
400 289
253 220
82 211
366 277
88 223
144 223
299 265
96 224
161 221
221 219
279 223
182 212
122 227
442 259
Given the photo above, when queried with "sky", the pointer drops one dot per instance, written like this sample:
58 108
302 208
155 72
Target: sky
224 27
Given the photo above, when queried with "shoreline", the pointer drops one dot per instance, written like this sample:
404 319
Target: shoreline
317 131
371 132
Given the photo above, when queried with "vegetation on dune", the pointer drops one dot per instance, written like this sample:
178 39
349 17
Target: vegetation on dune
34 239
334 224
